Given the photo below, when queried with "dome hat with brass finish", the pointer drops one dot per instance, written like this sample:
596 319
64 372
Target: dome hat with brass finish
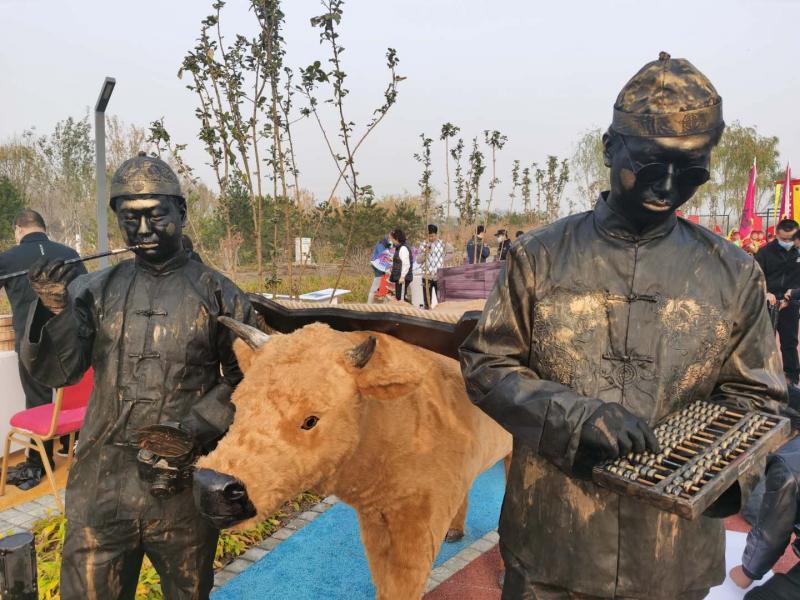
668 97
144 176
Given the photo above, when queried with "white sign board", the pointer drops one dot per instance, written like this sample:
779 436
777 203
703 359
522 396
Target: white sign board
302 251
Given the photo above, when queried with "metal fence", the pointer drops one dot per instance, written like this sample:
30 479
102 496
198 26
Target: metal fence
726 222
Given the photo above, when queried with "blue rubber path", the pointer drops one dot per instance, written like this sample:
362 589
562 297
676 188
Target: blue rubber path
325 560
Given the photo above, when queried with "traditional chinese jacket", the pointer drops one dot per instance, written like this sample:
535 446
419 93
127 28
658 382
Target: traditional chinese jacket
158 355
587 311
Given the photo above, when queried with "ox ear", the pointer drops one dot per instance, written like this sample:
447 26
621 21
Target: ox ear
359 356
394 370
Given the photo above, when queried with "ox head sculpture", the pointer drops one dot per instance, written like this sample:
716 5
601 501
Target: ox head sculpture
300 416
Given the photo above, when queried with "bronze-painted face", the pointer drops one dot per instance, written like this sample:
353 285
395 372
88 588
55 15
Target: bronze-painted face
156 221
652 177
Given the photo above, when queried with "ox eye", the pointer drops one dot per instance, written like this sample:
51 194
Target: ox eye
310 422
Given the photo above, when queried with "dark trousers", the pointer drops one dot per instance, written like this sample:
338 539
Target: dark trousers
36 394
400 290
429 285
780 587
788 322
103 563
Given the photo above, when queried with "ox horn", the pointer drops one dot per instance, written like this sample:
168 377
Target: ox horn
255 338
359 356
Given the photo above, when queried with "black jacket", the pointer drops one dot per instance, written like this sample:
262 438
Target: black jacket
397 266
479 251
781 267
502 250
158 354
20 294
585 311
779 514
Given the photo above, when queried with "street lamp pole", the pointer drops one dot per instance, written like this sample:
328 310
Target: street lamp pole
100 166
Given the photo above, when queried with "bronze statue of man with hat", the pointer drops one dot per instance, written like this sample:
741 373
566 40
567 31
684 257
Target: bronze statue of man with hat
164 371
600 325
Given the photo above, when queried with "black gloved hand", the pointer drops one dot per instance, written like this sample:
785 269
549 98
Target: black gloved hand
49 279
612 431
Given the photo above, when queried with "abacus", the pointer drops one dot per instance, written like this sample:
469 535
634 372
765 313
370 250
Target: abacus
705 447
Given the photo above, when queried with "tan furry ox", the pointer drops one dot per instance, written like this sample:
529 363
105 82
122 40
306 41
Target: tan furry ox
384 425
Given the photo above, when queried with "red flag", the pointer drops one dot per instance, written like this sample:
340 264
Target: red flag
717 230
787 196
749 209
694 219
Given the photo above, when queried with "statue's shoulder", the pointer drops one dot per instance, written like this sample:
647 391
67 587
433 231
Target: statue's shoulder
713 245
100 278
201 272
554 234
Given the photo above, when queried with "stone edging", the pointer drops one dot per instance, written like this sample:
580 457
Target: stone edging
22 516
260 550
266 546
452 566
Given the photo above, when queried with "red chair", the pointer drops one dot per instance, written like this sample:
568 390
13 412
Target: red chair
33 427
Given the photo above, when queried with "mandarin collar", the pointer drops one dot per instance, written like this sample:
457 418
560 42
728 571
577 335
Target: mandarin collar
36 236
173 264
618 226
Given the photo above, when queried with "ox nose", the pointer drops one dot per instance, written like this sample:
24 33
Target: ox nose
221 498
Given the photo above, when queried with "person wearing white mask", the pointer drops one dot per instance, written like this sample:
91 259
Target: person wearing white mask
503 244
780 262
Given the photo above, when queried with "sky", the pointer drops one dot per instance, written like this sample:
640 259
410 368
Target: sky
540 72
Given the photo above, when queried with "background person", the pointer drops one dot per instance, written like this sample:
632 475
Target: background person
756 241
30 233
477 251
402 273
415 287
780 262
432 252
770 234
380 261
503 244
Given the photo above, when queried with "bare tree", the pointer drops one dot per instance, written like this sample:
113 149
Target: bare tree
448 131
495 140
335 77
526 192
550 184
591 173
514 186
426 192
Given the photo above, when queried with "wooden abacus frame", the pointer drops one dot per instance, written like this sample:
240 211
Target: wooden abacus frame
692 502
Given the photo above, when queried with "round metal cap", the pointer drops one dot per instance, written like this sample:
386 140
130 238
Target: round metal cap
144 176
